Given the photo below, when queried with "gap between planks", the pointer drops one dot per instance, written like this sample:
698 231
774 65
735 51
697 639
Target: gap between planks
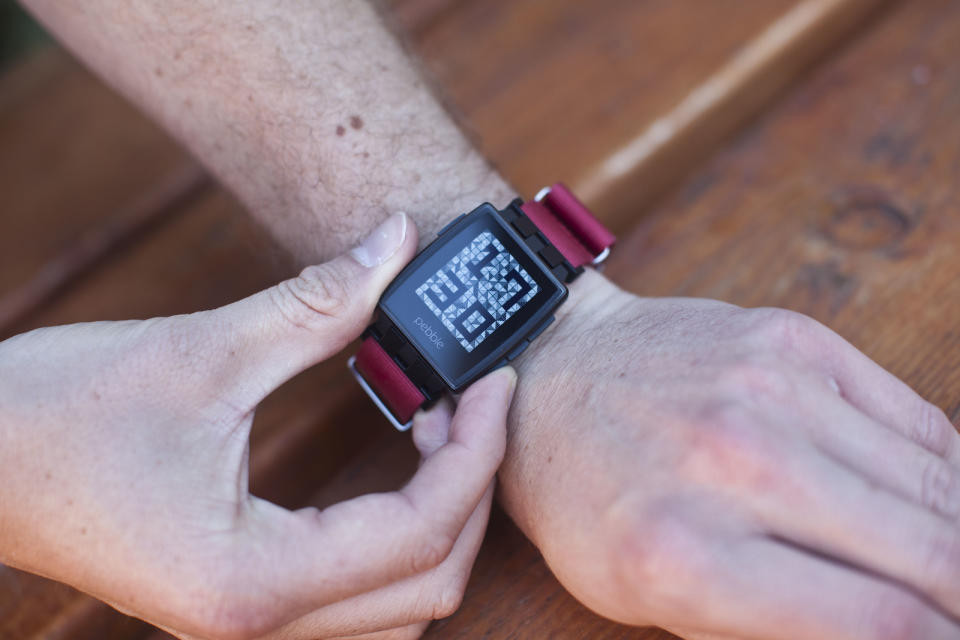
166 198
628 181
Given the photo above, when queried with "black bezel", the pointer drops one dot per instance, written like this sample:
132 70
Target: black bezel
453 365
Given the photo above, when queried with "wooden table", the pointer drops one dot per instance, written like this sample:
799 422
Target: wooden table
765 152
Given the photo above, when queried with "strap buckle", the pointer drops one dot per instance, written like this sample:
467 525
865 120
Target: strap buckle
376 399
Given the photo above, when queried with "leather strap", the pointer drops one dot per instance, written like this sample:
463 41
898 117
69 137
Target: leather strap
563 220
396 392
569 225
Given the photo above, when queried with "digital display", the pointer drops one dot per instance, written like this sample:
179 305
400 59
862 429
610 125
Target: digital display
472 296
478 290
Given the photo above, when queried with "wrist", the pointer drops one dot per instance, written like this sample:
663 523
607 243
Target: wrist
589 296
471 184
554 372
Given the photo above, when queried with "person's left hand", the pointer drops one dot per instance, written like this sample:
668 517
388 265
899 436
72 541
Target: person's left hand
733 473
123 469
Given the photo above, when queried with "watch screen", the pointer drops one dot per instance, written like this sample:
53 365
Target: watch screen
478 290
472 296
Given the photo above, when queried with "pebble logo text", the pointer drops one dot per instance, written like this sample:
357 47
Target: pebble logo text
428 331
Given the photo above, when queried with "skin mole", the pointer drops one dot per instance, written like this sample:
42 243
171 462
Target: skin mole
340 130
356 122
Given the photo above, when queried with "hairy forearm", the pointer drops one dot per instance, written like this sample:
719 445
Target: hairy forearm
311 112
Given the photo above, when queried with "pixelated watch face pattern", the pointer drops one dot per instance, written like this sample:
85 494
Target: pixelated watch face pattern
478 290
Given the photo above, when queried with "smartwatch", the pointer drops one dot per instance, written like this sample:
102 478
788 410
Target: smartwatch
473 299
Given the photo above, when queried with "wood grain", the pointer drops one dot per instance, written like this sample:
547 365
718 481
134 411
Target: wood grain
80 170
845 235
552 88
618 98
842 203
628 179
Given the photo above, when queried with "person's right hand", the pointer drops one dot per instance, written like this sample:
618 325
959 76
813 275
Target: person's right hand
733 473
124 464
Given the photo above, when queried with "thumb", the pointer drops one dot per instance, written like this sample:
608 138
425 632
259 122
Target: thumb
299 322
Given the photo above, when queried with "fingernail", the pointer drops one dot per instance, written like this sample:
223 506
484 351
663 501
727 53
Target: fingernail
379 246
512 374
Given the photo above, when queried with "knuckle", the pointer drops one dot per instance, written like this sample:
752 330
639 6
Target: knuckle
434 547
933 430
756 380
786 331
662 545
940 489
729 450
448 599
319 293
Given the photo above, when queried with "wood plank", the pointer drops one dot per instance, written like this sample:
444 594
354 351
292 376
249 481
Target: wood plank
117 228
619 98
414 17
665 150
64 140
842 203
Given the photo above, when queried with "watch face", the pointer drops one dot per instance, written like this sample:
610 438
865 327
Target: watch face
471 297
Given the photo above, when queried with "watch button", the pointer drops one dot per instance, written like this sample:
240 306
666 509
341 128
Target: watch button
434 385
450 224
517 350
536 332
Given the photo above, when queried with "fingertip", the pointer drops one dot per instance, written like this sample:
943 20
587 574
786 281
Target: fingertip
481 417
511 375
431 428
499 385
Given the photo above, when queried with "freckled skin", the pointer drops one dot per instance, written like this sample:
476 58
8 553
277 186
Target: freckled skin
340 130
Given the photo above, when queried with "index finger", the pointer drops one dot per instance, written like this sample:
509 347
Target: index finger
887 399
365 543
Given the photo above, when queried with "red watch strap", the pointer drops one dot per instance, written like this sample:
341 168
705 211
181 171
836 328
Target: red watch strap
569 225
387 380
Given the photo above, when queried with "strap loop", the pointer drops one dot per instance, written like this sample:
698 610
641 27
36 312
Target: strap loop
581 226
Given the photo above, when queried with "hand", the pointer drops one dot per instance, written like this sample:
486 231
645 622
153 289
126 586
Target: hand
725 472
123 467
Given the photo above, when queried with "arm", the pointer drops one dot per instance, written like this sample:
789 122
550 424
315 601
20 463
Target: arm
311 112
710 460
